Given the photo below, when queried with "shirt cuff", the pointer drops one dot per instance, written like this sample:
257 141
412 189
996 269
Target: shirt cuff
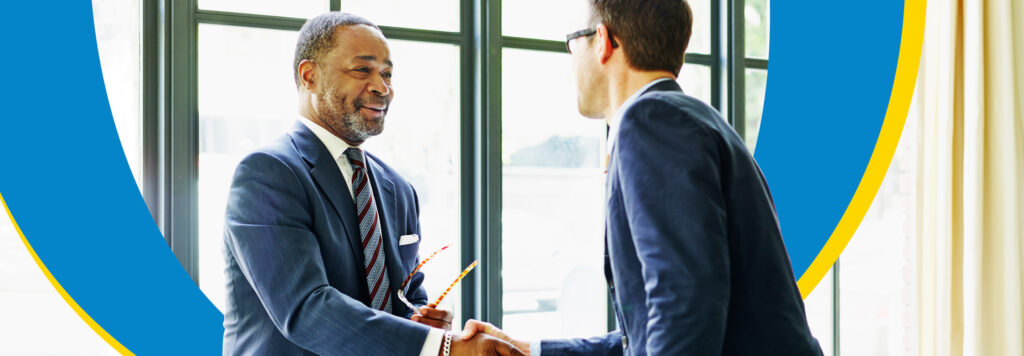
432 346
535 348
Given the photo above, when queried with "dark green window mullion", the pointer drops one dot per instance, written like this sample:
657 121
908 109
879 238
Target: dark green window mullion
736 72
152 102
180 139
470 164
487 59
756 63
718 61
835 308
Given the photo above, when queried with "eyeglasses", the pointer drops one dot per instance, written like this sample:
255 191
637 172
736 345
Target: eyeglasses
401 290
582 33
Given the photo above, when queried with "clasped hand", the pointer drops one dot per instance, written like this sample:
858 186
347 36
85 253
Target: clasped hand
477 337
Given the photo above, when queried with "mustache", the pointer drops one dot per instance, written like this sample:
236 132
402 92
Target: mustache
374 101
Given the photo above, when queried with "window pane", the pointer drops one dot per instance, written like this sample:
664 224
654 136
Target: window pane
700 39
695 79
757 21
553 203
296 8
818 306
756 80
117 36
522 18
421 141
239 111
877 282
441 15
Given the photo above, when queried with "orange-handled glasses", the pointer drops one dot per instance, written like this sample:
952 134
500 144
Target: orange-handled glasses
401 290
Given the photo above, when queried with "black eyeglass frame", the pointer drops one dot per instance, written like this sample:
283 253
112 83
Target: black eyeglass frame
583 33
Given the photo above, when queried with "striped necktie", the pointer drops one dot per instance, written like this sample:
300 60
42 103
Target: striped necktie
373 254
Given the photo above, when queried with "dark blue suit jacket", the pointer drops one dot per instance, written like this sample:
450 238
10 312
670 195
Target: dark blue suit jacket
295 276
695 258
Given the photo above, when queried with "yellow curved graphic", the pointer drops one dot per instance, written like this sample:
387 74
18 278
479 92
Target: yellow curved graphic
64 294
895 116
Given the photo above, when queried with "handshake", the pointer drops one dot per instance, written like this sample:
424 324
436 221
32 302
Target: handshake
476 338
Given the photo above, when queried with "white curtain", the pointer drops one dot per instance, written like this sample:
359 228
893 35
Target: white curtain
969 105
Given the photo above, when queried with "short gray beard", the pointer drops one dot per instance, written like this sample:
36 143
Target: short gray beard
349 124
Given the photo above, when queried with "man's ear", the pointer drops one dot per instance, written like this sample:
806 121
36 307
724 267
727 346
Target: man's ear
307 74
604 43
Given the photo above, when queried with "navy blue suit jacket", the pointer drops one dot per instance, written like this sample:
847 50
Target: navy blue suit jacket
695 258
295 278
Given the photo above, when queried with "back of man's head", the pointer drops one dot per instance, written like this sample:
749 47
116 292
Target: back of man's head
316 37
653 33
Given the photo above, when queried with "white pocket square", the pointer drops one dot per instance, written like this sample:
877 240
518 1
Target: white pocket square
408 239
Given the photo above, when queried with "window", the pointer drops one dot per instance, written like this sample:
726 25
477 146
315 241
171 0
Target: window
553 202
117 39
508 174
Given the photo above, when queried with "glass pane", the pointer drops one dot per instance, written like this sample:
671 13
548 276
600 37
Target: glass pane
441 15
757 21
700 40
877 279
238 113
818 306
756 80
524 18
295 8
117 36
695 79
421 141
553 203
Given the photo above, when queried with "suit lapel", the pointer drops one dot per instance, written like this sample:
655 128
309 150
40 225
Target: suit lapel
327 175
387 207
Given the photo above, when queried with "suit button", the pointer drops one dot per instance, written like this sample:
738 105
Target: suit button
625 342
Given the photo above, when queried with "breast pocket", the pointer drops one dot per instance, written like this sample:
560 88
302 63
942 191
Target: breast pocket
408 250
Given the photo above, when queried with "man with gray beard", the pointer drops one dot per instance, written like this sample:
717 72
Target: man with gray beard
320 234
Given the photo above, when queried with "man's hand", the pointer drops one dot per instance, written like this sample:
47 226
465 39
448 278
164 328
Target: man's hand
431 316
474 326
482 344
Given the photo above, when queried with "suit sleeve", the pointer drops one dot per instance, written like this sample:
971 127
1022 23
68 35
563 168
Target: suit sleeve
606 345
268 233
417 294
670 181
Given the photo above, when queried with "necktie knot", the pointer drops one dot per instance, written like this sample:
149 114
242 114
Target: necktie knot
355 157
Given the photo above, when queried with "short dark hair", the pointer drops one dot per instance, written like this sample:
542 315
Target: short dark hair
653 33
316 37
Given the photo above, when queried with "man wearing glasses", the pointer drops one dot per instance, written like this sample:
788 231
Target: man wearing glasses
320 235
694 256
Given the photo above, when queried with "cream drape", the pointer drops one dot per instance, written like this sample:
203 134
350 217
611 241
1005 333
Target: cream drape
969 105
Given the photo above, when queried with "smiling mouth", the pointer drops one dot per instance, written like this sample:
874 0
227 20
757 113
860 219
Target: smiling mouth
375 111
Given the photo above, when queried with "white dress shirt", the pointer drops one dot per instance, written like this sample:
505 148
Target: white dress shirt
336 147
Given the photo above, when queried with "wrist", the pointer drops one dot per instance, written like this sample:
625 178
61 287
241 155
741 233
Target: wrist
446 345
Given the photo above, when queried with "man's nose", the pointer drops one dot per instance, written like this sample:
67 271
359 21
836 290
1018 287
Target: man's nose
379 87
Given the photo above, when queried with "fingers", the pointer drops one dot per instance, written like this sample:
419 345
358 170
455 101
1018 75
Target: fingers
472 328
440 324
506 349
431 312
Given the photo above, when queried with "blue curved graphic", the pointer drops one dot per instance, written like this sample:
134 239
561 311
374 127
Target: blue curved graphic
69 189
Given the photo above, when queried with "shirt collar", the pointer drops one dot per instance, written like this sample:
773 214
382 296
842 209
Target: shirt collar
613 130
335 145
